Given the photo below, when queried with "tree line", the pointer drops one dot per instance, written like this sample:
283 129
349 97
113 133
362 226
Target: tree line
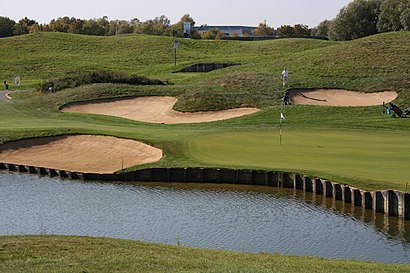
158 26
358 19
99 27
362 18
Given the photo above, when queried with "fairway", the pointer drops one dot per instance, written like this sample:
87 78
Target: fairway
364 159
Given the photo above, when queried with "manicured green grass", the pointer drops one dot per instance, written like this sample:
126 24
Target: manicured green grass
84 254
368 160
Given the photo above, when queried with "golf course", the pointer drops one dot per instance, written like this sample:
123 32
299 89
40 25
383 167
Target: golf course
225 118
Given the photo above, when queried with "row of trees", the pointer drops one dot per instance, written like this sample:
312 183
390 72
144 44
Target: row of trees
362 18
157 26
358 19
299 30
100 27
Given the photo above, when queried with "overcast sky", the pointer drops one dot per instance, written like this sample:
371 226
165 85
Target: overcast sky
211 12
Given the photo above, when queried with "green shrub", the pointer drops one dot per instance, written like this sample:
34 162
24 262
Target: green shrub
96 77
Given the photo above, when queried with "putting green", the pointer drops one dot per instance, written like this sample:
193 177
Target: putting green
365 159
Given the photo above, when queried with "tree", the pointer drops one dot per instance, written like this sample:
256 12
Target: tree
391 14
301 30
75 25
177 29
93 27
157 26
36 28
62 24
212 34
263 30
286 31
322 30
120 27
356 20
23 26
6 27
405 19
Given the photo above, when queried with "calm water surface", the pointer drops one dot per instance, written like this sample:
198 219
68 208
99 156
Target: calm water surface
251 219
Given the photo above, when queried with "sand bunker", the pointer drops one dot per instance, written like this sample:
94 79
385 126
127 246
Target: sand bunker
80 153
152 109
334 97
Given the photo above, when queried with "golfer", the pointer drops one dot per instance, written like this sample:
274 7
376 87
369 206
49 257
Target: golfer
285 77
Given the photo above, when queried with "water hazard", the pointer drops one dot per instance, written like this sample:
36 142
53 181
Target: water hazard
246 218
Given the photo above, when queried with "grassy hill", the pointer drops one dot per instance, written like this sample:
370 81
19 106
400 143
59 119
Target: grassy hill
370 64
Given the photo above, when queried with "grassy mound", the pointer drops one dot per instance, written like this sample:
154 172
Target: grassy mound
373 63
83 254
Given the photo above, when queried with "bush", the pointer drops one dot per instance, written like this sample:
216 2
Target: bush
96 77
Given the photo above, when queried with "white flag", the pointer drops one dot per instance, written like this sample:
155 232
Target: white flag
282 116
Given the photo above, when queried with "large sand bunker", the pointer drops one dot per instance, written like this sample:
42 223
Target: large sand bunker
152 109
335 97
80 153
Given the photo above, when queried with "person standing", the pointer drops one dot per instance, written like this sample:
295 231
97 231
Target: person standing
6 85
285 76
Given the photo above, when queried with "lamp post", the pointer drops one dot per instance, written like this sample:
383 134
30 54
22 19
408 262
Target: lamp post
176 44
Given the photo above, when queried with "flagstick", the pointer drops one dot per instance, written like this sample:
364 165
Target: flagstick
280 132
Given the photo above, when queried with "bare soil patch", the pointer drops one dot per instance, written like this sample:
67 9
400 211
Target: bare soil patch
80 153
153 110
336 97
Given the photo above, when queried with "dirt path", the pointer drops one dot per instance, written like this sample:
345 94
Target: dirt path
81 153
335 97
4 95
153 109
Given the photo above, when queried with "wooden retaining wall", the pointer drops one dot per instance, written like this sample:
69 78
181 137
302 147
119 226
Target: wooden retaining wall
390 202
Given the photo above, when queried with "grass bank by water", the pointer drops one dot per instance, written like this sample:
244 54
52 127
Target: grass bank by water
84 254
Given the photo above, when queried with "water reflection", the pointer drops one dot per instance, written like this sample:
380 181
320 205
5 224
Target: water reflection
241 218
392 227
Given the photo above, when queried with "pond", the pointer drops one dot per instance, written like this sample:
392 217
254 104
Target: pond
239 218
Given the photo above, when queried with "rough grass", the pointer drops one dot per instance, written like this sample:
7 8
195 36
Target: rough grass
95 77
84 254
370 64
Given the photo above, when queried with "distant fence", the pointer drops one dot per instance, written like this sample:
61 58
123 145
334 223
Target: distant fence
390 202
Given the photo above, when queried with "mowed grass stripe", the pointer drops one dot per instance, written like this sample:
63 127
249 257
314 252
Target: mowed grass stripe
369 160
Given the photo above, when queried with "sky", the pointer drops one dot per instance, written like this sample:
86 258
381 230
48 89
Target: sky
210 12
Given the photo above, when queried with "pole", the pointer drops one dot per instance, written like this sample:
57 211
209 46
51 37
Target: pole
280 133
406 186
176 44
175 56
